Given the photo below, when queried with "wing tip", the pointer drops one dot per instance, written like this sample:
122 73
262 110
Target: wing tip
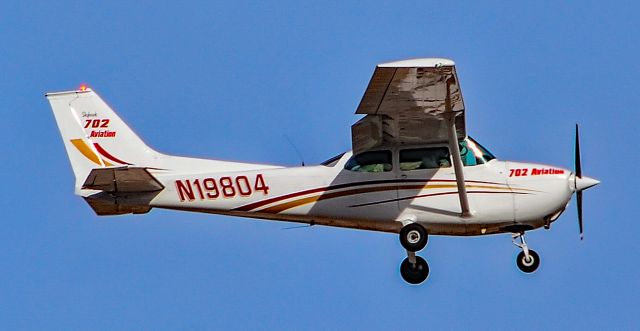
419 63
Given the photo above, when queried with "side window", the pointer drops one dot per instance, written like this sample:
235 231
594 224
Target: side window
376 161
424 158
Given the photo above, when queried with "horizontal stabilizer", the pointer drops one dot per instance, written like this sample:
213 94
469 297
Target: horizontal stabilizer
122 180
110 204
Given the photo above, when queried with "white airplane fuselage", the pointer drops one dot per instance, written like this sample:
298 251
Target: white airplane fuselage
504 196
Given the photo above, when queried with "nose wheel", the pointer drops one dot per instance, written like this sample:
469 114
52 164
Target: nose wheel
528 260
528 265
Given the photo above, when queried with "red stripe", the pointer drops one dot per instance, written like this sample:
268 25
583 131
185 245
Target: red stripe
431 195
280 198
265 202
109 156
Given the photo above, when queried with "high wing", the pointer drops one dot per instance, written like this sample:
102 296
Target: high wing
408 102
414 102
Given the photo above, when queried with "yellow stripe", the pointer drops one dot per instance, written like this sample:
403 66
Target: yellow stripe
324 196
87 152
288 205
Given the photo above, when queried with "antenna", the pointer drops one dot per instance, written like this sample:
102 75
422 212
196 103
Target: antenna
312 223
295 149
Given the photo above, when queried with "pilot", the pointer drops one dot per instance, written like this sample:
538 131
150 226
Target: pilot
444 163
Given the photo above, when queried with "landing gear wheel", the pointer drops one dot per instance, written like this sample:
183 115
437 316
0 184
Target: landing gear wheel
530 265
413 237
414 273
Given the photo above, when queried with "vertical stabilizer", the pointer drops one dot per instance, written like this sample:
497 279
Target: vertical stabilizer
94 135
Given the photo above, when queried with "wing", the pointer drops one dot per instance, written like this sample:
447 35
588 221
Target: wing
407 102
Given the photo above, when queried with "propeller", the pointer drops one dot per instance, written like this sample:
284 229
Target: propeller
580 183
578 169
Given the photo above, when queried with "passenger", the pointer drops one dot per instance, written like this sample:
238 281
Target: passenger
429 162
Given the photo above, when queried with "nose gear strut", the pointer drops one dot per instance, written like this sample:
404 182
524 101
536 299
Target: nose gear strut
528 260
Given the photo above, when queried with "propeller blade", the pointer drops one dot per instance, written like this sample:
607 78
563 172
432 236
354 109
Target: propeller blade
579 203
578 165
578 170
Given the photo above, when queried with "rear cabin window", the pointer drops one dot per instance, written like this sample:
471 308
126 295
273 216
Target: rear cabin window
424 158
375 161
332 161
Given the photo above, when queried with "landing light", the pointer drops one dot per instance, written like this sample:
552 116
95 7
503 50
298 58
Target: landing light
83 87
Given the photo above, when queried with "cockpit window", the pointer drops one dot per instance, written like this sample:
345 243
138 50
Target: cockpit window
332 161
473 153
424 158
375 161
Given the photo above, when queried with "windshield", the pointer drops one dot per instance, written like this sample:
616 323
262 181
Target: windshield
473 153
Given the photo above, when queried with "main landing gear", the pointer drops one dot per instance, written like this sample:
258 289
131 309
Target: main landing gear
414 269
528 260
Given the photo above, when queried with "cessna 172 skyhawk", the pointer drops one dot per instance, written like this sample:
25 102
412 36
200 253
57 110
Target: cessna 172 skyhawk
413 171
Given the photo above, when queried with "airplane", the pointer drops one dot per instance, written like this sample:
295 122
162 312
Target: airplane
412 171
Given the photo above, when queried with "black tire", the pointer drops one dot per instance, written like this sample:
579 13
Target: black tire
528 266
414 274
413 237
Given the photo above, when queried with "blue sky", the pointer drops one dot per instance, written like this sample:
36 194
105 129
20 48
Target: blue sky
230 80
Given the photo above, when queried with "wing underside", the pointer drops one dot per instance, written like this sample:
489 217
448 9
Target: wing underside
408 102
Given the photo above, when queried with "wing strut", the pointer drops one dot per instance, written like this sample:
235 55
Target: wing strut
455 151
